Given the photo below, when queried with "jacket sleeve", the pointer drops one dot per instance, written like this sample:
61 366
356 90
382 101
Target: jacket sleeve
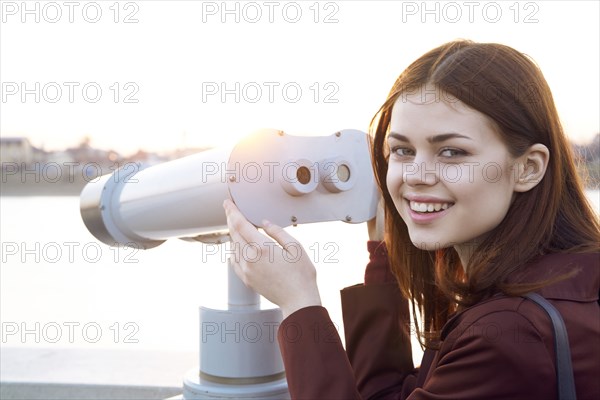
378 362
315 363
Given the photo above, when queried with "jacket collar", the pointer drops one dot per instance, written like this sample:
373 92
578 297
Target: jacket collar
583 286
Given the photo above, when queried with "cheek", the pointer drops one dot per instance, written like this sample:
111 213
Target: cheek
452 174
488 177
393 178
486 192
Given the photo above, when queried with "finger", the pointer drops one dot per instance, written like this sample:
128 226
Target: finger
238 223
234 233
234 221
278 233
247 243
236 237
238 269
237 241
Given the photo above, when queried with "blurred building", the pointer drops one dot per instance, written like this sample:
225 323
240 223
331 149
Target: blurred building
16 150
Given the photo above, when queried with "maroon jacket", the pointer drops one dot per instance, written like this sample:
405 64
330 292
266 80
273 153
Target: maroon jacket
501 348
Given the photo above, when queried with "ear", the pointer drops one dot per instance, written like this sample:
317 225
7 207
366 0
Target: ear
531 167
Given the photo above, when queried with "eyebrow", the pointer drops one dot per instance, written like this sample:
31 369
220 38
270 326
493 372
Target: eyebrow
431 139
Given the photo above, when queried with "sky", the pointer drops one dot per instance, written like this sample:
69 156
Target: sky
164 75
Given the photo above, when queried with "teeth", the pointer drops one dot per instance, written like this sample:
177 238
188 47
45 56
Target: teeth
428 207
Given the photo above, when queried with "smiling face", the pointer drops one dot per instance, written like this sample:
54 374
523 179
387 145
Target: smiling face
449 174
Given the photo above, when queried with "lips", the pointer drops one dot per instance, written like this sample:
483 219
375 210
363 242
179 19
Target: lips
426 209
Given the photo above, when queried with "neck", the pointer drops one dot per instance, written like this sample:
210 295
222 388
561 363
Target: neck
465 251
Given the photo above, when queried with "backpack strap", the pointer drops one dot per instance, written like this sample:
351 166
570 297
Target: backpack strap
564 368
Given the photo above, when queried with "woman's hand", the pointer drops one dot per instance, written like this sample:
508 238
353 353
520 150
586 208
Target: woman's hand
376 226
279 270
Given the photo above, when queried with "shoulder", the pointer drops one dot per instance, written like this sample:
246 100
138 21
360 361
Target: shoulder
499 342
501 320
578 276
576 294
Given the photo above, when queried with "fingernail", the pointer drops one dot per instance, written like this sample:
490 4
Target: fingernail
266 223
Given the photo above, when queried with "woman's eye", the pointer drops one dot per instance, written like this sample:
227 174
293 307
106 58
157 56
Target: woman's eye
403 151
452 153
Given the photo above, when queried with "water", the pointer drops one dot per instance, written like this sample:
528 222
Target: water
60 288
56 274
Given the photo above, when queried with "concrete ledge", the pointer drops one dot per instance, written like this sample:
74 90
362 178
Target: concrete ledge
41 391
31 373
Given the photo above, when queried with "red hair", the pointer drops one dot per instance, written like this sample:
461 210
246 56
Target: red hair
554 216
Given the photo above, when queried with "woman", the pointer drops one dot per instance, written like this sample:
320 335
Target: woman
482 205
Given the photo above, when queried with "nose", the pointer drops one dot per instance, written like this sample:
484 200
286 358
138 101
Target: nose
421 173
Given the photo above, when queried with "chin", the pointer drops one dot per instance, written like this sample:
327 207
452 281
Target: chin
428 245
